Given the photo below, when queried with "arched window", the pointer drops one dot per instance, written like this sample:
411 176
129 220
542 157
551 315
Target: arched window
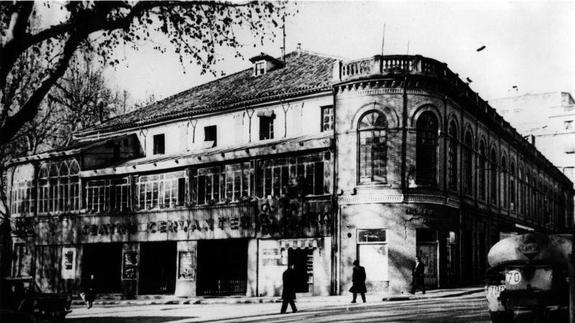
43 189
468 163
482 167
74 183
63 188
426 149
53 185
372 137
493 179
504 182
512 197
452 156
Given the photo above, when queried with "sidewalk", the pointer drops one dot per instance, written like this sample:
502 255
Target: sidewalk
337 299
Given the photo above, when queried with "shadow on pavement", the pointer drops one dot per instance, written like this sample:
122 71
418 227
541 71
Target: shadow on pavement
120 319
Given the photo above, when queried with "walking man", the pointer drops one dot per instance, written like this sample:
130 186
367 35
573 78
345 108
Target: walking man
418 276
288 293
358 281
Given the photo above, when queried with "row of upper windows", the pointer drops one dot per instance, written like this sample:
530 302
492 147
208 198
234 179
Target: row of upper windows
535 197
293 177
372 155
266 130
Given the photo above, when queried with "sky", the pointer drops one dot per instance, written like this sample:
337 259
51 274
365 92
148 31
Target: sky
528 44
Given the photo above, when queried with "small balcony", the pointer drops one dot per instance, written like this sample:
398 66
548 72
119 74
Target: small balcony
392 65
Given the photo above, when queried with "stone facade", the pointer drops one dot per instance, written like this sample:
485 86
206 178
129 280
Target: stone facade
315 162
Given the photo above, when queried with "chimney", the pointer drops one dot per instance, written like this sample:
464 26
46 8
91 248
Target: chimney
298 49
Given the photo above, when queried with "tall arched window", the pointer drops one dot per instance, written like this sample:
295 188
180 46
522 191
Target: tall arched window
493 179
426 149
482 167
53 185
521 192
63 188
74 183
503 182
512 197
43 189
468 163
452 156
372 135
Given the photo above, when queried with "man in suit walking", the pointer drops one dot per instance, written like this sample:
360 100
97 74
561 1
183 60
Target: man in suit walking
418 274
288 292
358 281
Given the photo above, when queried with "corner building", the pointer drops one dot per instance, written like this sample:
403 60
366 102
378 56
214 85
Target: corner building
310 160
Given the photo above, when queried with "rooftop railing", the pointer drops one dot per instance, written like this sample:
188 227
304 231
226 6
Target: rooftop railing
379 65
391 64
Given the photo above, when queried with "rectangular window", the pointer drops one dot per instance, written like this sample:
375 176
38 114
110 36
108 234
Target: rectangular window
211 135
371 235
294 176
327 118
161 190
230 183
266 127
108 195
568 124
159 144
260 68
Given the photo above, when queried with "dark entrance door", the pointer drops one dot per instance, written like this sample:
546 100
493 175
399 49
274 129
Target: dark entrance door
103 260
302 259
157 267
222 267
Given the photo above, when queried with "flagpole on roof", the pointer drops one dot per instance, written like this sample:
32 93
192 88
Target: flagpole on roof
383 40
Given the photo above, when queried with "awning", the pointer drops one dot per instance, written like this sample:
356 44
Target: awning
305 243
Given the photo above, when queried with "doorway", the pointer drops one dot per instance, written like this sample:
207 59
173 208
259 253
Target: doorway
103 260
427 245
222 267
302 259
157 267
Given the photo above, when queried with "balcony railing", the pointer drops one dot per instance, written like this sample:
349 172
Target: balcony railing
408 65
392 64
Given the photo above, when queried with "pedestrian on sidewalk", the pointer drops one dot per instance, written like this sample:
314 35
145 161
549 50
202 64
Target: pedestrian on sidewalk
358 281
288 292
88 293
418 275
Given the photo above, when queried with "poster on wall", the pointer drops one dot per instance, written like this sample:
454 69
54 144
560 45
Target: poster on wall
130 265
68 263
186 265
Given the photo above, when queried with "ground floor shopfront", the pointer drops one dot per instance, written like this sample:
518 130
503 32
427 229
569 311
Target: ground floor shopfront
244 249
213 251
452 242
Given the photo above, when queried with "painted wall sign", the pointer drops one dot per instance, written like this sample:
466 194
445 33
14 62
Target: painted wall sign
186 265
222 222
293 218
105 229
68 263
130 265
271 256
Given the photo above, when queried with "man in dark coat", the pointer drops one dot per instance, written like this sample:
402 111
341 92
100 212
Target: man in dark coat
418 276
288 293
358 281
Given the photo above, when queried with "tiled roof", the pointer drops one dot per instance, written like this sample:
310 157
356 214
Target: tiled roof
303 73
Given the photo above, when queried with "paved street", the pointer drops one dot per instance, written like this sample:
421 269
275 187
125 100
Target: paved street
467 308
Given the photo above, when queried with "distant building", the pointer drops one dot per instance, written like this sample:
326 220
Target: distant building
548 121
312 161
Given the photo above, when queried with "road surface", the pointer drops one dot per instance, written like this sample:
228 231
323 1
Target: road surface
468 308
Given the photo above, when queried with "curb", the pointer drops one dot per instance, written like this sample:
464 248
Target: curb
257 300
